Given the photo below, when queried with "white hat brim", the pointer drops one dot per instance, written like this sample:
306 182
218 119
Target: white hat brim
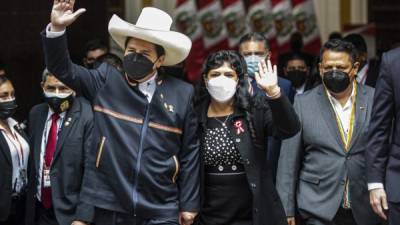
176 45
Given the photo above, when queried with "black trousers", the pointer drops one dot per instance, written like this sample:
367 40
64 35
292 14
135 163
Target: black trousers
44 216
107 217
342 217
394 213
17 212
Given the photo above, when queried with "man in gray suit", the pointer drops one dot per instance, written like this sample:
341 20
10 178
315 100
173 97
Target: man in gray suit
322 168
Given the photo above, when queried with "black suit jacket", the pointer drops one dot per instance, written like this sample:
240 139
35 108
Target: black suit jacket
68 162
6 170
383 155
373 72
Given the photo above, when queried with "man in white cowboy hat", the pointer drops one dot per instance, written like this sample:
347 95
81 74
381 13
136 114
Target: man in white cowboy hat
143 167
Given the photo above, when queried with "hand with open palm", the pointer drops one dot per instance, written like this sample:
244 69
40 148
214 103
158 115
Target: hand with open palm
267 78
63 15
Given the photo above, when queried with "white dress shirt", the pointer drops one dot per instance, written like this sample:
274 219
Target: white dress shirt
19 149
300 90
147 88
45 136
343 112
362 74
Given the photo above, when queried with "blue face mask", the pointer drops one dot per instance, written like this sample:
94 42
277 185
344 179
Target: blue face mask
252 64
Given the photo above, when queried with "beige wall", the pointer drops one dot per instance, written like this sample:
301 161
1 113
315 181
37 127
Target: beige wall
328 16
359 11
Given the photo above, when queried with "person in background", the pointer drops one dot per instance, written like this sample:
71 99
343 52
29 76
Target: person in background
254 48
111 59
296 46
14 154
297 71
335 35
177 71
60 130
383 153
321 170
369 69
93 50
236 176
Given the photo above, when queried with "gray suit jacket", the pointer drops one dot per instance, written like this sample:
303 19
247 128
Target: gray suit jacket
313 165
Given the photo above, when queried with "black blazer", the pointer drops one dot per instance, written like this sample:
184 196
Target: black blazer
373 72
6 170
383 154
275 118
69 158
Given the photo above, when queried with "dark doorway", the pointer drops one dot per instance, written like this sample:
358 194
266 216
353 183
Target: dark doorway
386 15
20 25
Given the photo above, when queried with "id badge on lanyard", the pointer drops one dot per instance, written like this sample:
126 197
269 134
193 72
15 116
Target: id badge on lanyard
46 177
23 176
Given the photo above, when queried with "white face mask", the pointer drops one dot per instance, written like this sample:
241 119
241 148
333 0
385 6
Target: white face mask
57 95
221 88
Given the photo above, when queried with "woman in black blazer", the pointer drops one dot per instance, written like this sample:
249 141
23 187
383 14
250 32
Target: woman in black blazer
14 151
237 187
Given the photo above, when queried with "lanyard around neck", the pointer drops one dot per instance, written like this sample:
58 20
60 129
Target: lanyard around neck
18 147
346 139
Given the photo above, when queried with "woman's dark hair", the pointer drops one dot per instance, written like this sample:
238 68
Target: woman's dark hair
242 99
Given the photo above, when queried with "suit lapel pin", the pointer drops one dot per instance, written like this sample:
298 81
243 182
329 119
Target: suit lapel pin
161 96
362 107
68 122
239 127
165 106
171 108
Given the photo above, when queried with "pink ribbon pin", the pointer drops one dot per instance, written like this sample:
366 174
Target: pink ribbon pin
239 127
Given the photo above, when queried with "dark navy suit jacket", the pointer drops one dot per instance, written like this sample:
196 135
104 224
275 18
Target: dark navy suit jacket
383 154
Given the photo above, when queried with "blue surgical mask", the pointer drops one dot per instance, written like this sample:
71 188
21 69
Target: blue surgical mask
252 64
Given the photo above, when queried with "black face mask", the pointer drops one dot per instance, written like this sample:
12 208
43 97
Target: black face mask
297 77
7 109
90 66
336 80
59 105
137 66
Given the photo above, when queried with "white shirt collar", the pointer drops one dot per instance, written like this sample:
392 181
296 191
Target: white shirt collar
51 112
11 123
150 81
300 90
336 104
149 87
362 74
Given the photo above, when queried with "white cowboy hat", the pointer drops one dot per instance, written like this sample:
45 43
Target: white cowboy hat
153 25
